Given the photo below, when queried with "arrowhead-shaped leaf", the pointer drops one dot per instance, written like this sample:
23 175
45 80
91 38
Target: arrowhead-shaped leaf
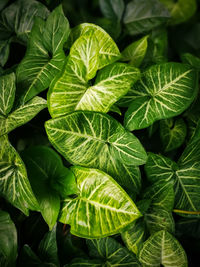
164 91
102 207
94 139
44 56
108 52
14 183
7 94
166 250
8 240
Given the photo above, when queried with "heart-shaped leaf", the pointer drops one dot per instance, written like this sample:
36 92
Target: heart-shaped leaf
102 207
164 91
94 139
166 250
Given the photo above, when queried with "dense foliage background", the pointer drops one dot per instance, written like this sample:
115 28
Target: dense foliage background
149 33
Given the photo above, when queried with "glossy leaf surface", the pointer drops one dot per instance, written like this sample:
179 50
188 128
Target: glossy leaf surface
102 207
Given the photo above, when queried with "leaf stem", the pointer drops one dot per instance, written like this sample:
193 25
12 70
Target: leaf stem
187 212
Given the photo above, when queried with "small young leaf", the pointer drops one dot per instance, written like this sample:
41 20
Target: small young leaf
172 133
164 91
98 195
192 60
94 139
111 252
44 56
135 52
8 241
162 248
142 16
14 183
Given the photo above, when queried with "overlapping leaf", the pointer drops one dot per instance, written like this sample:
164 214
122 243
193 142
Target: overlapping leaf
9 120
102 207
135 52
185 177
111 252
16 22
108 52
162 248
140 17
44 56
49 179
8 240
96 140
164 91
172 133
14 183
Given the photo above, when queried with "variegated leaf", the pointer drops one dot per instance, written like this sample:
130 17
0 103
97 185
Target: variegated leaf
172 133
185 177
162 248
93 139
111 252
44 56
73 91
14 183
7 94
21 115
164 91
135 52
108 52
135 236
102 207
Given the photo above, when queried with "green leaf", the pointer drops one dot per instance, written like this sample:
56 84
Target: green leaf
79 262
185 176
172 133
109 209
135 52
192 60
159 219
3 4
21 115
108 52
14 183
161 194
164 91
94 139
16 22
142 16
181 10
47 250
7 94
72 92
134 236
162 248
8 241
49 179
111 252
44 57
112 9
